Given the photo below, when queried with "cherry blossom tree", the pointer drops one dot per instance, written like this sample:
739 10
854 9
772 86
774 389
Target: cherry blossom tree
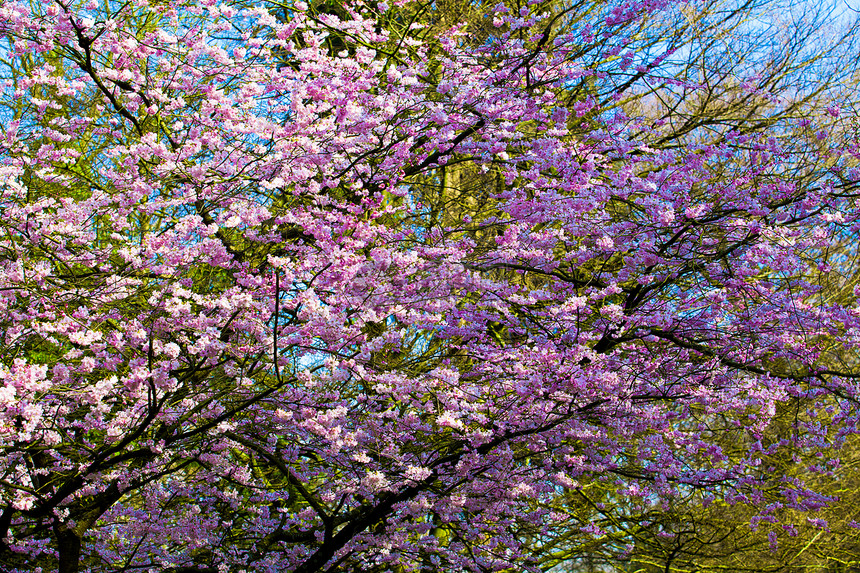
245 330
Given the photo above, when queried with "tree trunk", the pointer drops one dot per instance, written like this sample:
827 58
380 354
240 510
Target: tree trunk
69 546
